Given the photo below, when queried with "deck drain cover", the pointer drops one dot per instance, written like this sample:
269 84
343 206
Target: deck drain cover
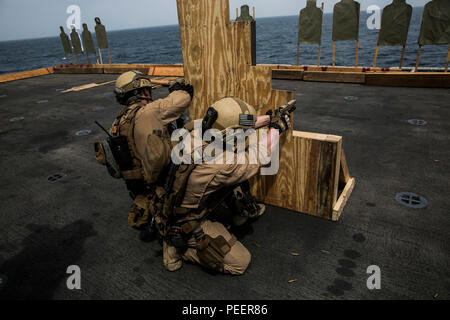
42 101
83 133
411 200
351 98
417 122
15 119
97 109
56 177
3 280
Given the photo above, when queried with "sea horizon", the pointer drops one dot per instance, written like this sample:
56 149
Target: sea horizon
276 43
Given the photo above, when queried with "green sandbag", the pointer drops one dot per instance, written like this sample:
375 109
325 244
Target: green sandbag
87 40
435 23
76 43
346 20
395 23
100 33
245 14
310 24
65 41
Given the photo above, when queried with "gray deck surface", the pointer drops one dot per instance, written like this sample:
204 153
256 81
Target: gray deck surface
82 219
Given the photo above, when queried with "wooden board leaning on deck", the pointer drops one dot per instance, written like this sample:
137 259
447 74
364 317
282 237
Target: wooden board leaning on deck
26 74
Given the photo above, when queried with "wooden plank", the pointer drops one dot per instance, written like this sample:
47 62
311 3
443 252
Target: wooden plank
121 68
166 70
150 69
192 51
347 77
418 58
317 136
412 79
26 74
87 86
73 69
287 74
336 172
345 195
402 57
333 59
448 59
307 179
344 174
314 174
376 56
329 68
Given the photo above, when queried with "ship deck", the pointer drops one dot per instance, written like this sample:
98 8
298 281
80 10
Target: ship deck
82 218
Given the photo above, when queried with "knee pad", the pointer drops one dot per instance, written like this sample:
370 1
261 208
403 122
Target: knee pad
212 251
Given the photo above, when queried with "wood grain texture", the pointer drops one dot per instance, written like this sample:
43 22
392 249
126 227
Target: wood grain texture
149 69
340 204
344 174
307 179
26 74
218 60
343 77
287 74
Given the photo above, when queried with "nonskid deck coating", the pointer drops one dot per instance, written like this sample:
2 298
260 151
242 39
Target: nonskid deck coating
81 219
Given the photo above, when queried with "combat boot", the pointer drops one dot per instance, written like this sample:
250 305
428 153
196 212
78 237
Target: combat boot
242 217
171 257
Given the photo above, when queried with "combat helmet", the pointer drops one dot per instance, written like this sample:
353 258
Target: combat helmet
129 85
233 113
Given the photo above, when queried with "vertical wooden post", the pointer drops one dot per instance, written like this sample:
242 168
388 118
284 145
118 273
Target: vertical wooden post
100 54
357 41
403 57
376 50
76 58
109 55
334 53
73 59
87 58
376 56
254 16
418 58
448 58
237 13
318 57
298 53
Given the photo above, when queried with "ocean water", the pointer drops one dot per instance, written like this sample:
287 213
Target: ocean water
276 44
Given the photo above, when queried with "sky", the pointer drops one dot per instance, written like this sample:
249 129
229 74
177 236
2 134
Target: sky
25 19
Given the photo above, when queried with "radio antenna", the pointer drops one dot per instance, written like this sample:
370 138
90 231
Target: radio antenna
101 127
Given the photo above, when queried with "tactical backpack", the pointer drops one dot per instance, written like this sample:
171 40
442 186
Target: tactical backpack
158 191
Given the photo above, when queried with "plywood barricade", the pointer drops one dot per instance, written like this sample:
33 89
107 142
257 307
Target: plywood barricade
217 59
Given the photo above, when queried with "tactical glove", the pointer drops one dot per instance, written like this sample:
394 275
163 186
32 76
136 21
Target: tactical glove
183 87
282 123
